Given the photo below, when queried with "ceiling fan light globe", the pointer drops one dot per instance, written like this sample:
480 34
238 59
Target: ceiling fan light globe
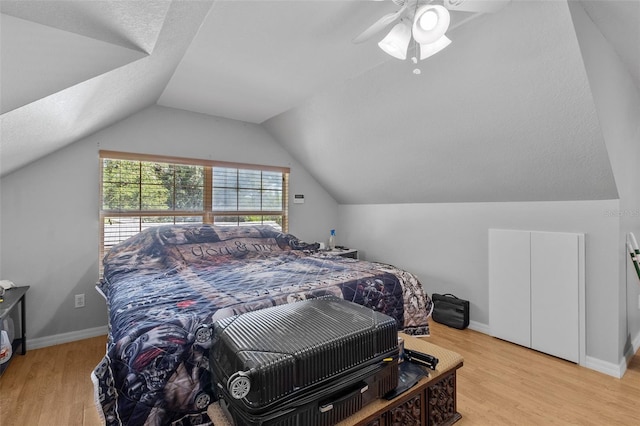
427 50
428 32
397 41
428 20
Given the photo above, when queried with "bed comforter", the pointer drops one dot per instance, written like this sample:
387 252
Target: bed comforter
164 286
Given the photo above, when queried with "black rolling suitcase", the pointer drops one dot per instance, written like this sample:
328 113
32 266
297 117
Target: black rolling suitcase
308 363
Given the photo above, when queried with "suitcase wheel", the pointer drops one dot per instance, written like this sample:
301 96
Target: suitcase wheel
239 385
203 334
202 400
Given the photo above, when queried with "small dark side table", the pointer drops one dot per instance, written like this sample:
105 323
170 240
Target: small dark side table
13 297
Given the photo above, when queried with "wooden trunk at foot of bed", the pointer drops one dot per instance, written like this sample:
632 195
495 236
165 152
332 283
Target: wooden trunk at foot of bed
432 401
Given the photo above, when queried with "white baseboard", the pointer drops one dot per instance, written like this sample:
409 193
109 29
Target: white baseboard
592 363
629 353
480 327
636 345
605 367
57 339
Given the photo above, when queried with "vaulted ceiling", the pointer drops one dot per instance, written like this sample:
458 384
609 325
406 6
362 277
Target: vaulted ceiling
505 113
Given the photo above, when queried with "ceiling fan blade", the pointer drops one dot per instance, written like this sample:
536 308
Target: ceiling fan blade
480 6
380 24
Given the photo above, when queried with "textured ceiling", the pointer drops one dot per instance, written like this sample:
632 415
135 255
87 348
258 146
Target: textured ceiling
113 79
130 24
53 60
252 60
504 113
619 23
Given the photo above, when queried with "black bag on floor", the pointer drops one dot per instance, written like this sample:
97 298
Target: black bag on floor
451 311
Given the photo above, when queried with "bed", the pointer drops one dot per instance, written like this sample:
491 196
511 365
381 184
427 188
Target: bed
165 286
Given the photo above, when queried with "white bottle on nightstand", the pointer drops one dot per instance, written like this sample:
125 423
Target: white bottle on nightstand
332 240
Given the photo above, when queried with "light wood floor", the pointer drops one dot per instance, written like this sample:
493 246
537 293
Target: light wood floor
499 384
505 384
52 386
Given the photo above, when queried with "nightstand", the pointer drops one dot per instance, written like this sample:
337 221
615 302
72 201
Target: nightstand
351 253
12 298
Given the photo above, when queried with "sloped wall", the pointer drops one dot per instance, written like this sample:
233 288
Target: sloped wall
446 244
49 209
505 113
617 103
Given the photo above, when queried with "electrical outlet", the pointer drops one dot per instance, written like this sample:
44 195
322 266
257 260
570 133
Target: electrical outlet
80 300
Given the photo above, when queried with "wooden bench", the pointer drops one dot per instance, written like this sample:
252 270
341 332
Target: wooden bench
432 401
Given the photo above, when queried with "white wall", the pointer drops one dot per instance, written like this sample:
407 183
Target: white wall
446 245
49 209
617 101
49 222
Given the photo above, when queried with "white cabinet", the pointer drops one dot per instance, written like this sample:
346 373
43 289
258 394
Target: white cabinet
536 291
509 286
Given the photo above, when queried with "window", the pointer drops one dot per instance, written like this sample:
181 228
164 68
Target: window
140 191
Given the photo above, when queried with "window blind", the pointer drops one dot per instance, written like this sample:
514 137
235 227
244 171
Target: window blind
138 191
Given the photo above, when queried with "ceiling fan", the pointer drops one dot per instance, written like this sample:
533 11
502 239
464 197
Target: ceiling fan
426 21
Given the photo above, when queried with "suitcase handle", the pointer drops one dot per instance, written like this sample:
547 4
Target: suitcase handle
421 358
328 406
450 295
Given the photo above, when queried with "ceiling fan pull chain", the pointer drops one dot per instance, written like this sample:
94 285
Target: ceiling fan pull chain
414 58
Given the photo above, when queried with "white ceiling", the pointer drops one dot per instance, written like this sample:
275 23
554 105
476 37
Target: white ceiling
504 113
68 58
252 60
76 98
